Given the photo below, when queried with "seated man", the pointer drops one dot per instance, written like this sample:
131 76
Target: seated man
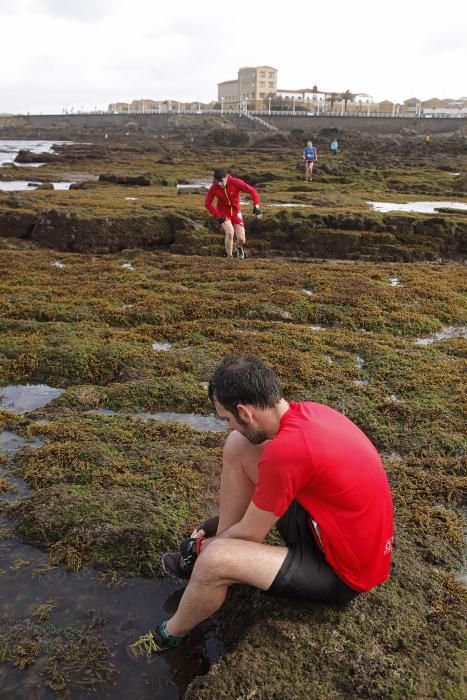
302 467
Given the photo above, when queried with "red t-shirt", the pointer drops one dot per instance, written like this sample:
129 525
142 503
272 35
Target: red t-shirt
323 460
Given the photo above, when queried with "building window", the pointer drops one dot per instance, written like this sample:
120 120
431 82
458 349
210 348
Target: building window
263 73
271 83
271 75
262 84
262 94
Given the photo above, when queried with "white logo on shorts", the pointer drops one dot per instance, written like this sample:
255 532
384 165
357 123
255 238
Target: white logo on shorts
388 545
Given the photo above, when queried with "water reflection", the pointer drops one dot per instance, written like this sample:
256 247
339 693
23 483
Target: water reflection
22 398
422 207
194 420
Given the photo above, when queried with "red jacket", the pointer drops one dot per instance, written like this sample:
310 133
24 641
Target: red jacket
228 198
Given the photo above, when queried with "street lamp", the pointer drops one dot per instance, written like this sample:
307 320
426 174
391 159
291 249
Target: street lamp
246 105
222 105
269 106
293 104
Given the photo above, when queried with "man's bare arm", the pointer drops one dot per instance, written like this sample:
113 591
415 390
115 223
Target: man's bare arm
254 526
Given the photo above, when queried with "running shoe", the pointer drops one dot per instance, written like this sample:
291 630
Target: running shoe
174 566
240 254
156 641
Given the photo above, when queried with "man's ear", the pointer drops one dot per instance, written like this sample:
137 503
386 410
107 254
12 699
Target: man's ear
245 412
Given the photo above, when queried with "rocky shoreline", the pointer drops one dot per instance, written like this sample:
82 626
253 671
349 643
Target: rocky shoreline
118 295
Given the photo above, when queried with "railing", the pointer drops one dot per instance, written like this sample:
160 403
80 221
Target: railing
264 113
258 120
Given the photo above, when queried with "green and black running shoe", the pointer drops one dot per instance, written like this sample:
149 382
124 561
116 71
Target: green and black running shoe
156 641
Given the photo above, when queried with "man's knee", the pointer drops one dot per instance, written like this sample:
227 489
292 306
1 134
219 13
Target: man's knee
212 562
234 446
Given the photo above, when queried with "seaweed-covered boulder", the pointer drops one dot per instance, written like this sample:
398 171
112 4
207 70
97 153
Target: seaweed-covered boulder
138 180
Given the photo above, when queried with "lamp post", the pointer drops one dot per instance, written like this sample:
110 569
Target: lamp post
246 105
293 104
269 106
222 105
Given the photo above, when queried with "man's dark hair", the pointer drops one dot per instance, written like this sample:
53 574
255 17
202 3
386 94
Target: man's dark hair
244 379
219 173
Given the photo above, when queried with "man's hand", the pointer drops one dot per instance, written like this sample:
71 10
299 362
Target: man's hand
221 220
257 211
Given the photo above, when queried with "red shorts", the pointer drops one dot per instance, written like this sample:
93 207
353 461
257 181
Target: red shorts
236 219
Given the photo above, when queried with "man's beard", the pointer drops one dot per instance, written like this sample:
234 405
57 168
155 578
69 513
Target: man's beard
252 434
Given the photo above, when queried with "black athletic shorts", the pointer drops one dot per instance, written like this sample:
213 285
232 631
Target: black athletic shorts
305 573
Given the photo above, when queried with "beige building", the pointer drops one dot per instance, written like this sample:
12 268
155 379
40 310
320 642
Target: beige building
250 91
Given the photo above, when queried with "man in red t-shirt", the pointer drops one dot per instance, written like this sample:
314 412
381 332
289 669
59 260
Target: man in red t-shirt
302 467
226 190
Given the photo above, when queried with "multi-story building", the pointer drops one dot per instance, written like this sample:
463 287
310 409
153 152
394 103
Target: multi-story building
249 92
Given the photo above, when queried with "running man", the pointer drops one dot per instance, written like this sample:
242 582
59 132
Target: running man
226 189
310 157
302 467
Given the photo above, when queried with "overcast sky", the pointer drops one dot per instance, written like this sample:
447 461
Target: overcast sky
84 54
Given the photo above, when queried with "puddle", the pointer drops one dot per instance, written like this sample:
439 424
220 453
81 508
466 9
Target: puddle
446 334
291 204
307 291
57 263
131 199
10 442
21 185
195 185
194 420
421 207
162 346
360 362
127 266
393 399
317 328
79 601
394 282
27 397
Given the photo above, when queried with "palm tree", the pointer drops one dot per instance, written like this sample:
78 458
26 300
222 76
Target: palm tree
347 96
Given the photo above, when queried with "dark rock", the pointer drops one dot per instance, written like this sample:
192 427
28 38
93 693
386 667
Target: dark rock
139 180
26 156
45 186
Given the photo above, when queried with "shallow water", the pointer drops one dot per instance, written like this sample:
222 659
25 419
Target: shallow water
22 398
82 605
201 184
162 346
26 185
422 207
194 420
446 334
9 149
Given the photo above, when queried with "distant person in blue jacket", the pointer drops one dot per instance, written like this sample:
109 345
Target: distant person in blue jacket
334 147
310 156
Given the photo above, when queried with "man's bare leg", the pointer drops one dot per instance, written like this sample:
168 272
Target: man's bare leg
239 235
224 562
238 478
228 229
